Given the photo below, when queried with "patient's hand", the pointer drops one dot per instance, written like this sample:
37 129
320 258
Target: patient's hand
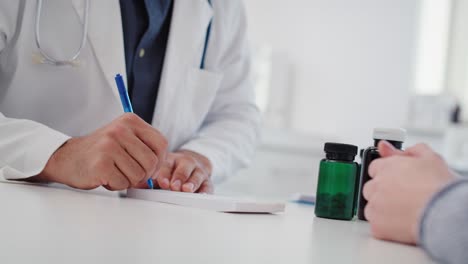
402 185
186 171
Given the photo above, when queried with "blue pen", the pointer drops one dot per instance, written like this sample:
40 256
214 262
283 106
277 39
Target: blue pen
127 106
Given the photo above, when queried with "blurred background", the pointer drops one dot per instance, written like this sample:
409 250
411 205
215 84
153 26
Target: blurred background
332 70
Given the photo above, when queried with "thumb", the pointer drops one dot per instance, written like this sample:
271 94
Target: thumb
386 149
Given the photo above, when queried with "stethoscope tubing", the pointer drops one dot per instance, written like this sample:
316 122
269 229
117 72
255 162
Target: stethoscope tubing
49 59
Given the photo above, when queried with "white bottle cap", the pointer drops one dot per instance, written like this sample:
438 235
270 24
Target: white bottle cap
393 134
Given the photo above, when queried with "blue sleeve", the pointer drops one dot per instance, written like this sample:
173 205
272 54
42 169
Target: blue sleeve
443 229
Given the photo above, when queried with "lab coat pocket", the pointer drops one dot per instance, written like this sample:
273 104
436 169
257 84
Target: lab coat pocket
201 88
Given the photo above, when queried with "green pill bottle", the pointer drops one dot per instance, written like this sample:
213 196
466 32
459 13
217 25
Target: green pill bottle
337 182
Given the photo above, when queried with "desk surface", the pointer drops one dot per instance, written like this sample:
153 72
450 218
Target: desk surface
48 225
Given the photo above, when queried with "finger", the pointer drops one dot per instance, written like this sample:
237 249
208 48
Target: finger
129 167
195 181
116 180
183 169
164 176
154 140
369 189
375 167
156 184
140 152
148 135
206 187
368 212
419 150
386 149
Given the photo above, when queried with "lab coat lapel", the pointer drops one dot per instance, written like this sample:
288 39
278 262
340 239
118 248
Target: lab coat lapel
190 20
105 37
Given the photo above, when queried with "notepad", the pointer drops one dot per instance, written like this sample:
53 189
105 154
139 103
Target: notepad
207 201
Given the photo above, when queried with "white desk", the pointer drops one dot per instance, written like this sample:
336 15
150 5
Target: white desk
47 225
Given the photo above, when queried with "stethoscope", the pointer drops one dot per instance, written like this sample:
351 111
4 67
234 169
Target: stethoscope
47 58
73 60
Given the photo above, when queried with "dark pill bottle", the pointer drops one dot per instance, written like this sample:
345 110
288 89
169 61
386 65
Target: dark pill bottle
396 137
336 188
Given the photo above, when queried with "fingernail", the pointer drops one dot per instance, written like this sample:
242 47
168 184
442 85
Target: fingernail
176 184
189 186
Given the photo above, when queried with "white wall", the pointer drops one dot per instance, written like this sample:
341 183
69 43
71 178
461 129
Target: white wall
353 60
457 73
432 47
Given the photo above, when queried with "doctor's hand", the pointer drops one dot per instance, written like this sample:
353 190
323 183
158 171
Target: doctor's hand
123 154
186 171
402 185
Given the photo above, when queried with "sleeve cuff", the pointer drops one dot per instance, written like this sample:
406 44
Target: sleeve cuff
441 232
37 151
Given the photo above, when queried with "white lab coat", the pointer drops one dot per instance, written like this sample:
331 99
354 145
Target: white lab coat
209 111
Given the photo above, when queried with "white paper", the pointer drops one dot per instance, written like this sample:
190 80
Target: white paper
206 201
